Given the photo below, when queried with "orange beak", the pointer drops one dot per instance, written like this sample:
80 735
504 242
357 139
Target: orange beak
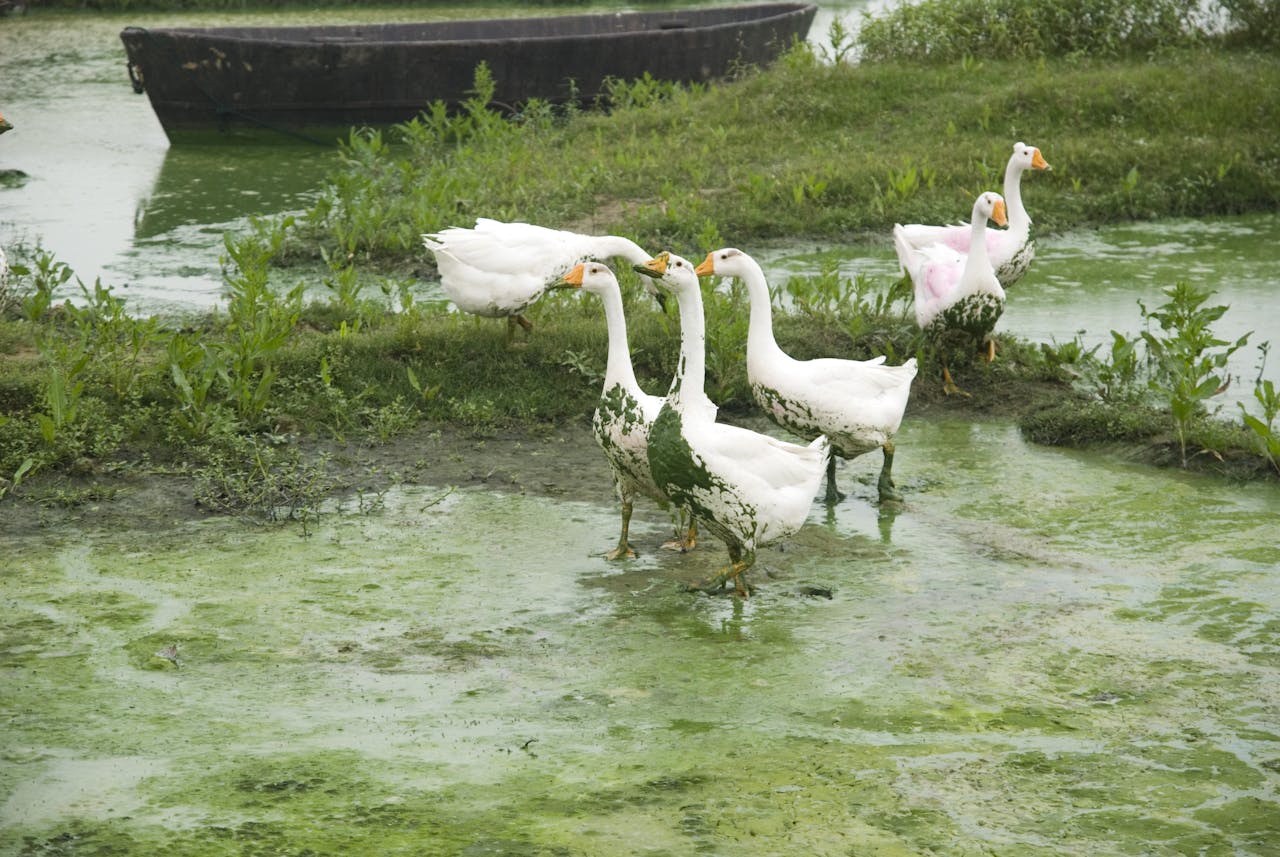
574 277
1038 161
655 267
998 214
708 266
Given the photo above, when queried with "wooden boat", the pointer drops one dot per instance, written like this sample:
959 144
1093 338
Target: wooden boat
322 80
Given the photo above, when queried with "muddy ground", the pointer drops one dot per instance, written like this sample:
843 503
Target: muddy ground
561 461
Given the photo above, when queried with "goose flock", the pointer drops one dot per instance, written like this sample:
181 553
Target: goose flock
746 487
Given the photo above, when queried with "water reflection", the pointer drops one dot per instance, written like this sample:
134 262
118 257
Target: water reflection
198 185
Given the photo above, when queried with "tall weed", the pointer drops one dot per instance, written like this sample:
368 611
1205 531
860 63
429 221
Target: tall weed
49 274
1189 362
260 321
1265 431
119 341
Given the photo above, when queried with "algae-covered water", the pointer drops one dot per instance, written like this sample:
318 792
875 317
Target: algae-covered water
1040 653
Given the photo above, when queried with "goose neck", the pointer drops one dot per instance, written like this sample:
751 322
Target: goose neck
689 382
609 246
618 369
978 260
760 330
1018 217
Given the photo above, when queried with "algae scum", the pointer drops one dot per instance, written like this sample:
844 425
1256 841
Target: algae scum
1040 653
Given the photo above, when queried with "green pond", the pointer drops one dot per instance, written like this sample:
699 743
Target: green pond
1040 653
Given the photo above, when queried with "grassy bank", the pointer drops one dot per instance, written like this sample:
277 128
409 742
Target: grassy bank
809 149
831 151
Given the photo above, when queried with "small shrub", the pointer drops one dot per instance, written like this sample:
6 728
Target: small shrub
248 475
1188 361
1266 434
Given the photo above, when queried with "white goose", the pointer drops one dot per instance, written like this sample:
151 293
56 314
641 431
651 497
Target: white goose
957 296
625 412
1011 250
746 487
858 404
498 269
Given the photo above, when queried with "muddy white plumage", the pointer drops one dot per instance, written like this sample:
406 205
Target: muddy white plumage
747 488
625 412
857 404
958 299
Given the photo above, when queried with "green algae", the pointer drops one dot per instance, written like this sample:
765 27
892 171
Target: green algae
1040 653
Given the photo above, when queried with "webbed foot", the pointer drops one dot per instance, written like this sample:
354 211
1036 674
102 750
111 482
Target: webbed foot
949 386
622 551
735 572
888 490
686 543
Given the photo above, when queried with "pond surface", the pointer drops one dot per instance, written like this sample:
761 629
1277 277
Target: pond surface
1041 653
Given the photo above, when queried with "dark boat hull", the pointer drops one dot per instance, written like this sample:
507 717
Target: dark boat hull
313 80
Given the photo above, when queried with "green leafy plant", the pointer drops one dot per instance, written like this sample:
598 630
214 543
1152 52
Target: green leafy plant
28 465
253 476
583 364
1266 432
842 40
1264 427
260 322
64 385
1129 183
117 339
194 370
1117 377
907 182
47 277
1188 361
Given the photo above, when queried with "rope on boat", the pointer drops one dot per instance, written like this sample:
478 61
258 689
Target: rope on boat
221 110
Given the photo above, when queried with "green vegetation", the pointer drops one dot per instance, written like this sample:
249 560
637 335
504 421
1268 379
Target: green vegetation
965 30
1266 432
1164 378
828 150
810 148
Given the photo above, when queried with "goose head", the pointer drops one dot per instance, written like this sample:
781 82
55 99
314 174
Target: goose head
1028 158
990 206
672 273
726 262
594 277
